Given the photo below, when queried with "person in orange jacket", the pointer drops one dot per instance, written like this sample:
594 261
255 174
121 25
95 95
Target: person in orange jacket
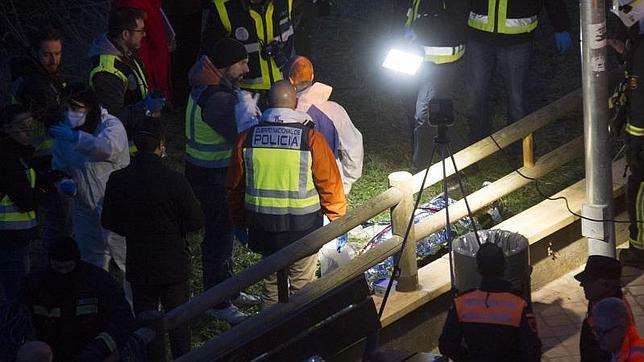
614 329
490 323
281 179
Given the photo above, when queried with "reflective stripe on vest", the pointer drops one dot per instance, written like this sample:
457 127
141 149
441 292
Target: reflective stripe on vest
204 146
490 308
499 22
270 72
442 55
639 213
279 179
634 130
11 218
106 64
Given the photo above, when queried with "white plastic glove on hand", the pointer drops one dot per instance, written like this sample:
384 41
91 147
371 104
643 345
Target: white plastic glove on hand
246 111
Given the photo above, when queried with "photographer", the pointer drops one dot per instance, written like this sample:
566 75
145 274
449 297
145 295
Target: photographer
240 20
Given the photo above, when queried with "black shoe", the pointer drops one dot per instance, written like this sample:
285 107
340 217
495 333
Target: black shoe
632 257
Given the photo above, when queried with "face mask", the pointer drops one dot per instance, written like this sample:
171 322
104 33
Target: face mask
75 119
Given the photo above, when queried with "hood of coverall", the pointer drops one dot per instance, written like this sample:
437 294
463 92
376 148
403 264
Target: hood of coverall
102 45
317 93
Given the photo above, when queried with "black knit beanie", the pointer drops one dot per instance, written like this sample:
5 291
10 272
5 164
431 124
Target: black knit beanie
226 52
64 249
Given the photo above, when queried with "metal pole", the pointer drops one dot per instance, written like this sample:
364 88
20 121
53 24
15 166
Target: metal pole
599 193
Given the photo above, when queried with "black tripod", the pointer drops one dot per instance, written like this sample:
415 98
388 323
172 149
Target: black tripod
441 116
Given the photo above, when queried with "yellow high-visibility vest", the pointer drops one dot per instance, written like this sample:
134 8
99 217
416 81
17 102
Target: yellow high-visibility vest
277 165
11 217
204 146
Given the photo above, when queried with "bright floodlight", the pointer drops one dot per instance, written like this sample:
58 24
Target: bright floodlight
403 62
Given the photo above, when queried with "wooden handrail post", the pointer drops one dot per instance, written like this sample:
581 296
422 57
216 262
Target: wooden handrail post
156 348
400 215
528 151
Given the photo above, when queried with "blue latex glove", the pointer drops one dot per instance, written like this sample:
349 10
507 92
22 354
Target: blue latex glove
562 41
153 103
340 242
409 34
240 233
67 187
64 132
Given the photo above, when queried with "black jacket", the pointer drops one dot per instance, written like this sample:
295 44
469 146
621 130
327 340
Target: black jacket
70 311
441 23
489 342
35 88
556 9
588 345
14 162
154 208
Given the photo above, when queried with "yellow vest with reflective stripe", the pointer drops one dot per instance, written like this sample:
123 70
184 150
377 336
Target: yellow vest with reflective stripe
497 21
277 165
107 63
204 146
11 218
269 72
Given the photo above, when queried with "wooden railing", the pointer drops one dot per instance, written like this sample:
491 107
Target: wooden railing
398 199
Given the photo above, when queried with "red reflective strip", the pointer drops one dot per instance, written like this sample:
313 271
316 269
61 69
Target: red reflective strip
490 308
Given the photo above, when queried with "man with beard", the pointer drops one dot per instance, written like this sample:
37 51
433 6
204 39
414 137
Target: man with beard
600 279
118 76
211 129
39 85
76 308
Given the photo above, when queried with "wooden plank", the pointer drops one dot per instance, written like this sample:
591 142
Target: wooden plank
501 187
553 215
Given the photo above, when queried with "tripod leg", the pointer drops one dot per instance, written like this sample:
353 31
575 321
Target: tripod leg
448 227
460 185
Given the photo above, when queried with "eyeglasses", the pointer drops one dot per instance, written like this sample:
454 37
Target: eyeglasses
601 333
142 31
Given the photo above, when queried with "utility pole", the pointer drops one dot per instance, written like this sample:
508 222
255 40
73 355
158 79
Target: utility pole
599 180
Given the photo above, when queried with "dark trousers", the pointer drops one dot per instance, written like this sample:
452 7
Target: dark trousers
437 82
147 297
14 266
187 27
513 63
54 221
217 243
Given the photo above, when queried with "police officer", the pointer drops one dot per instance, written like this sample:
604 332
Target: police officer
631 45
18 196
118 76
501 33
490 323
440 30
265 29
281 179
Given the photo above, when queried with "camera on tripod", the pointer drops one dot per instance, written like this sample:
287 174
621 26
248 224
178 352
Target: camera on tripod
441 112
275 50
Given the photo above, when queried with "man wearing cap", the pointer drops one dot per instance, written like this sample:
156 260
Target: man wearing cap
211 128
78 309
264 28
154 208
600 279
490 323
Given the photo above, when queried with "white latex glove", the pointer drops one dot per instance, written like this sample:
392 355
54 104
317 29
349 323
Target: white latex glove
246 111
